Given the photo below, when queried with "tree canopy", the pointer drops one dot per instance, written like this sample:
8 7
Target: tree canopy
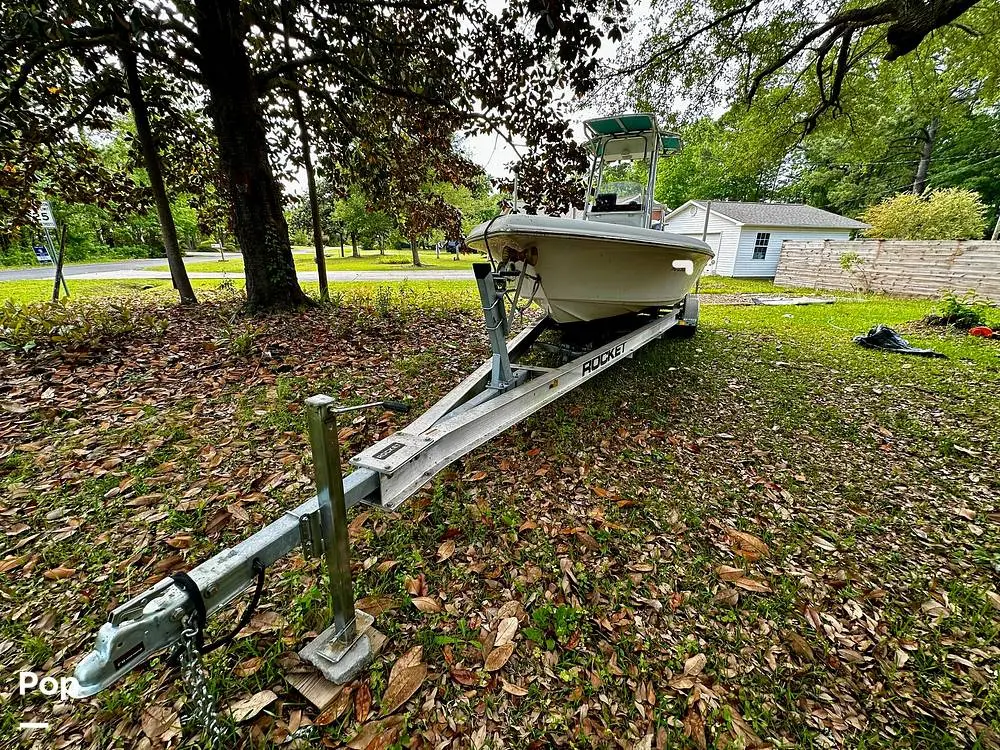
374 74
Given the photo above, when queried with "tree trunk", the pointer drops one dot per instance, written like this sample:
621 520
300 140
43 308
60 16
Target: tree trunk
354 246
244 156
996 229
415 251
926 148
324 289
300 116
151 159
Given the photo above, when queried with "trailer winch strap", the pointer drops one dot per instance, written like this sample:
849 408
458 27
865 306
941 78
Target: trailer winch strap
186 584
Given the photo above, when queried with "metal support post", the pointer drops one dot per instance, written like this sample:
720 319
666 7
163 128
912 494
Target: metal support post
342 650
502 376
57 261
332 512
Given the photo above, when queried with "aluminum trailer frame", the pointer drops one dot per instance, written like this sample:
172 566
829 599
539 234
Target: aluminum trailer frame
499 394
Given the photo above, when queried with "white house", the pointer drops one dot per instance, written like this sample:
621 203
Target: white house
747 237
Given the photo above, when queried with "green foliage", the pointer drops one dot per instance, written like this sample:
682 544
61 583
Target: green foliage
86 325
853 264
383 301
962 311
946 214
355 214
240 338
558 621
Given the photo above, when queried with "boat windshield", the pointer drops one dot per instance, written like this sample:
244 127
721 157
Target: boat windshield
625 191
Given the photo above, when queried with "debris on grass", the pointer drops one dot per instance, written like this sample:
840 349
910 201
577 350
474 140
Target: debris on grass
885 339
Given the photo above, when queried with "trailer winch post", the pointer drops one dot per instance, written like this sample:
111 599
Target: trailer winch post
342 650
497 325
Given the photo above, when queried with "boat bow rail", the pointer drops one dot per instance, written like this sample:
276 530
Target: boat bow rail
503 391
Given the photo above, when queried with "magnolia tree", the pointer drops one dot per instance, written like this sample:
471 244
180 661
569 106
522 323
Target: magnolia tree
375 74
947 214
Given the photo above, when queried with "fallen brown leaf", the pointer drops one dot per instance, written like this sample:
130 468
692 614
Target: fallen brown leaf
694 664
512 689
446 550
57 574
406 677
362 702
506 631
748 545
753 585
498 657
248 708
426 604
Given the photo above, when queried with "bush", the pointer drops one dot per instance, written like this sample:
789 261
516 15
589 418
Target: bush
77 325
947 214
965 311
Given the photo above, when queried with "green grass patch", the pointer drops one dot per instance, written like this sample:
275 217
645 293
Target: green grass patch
430 293
367 262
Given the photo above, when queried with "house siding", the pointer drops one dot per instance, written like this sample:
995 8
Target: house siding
726 230
743 261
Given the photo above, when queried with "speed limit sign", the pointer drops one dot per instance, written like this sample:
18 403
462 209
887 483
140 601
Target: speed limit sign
45 216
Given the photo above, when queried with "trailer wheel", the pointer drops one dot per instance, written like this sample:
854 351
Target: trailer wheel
687 324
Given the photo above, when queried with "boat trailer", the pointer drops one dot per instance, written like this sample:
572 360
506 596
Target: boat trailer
500 393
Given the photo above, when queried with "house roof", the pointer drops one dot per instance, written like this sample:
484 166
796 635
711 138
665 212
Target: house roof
780 215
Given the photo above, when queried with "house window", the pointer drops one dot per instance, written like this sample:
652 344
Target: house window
760 245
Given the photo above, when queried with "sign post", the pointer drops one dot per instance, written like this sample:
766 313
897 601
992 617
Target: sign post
47 220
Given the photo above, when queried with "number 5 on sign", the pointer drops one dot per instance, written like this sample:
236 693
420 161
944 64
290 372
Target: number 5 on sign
45 216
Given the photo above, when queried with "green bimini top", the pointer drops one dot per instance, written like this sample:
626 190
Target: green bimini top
619 126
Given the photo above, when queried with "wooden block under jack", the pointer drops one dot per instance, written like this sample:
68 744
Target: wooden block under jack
315 688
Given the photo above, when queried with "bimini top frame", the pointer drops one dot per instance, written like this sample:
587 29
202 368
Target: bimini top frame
628 137
500 393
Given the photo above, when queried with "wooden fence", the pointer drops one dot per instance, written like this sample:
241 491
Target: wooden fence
918 269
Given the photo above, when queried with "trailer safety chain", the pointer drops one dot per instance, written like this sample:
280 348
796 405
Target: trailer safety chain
203 716
192 647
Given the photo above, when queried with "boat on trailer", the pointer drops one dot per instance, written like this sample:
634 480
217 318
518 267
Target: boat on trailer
538 365
612 261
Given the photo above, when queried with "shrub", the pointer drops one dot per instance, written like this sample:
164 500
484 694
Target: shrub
77 325
965 311
854 265
946 214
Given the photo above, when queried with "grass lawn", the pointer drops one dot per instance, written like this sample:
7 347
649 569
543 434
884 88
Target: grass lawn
764 536
21 292
368 262
429 293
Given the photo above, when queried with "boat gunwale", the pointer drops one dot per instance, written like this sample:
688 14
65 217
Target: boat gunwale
555 233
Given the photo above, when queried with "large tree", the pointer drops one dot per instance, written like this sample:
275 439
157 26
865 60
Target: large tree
438 65
58 81
727 51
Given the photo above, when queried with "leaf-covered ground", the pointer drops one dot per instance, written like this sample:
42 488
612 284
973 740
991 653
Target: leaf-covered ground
761 537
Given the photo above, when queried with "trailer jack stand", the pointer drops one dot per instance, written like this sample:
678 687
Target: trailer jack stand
339 662
344 649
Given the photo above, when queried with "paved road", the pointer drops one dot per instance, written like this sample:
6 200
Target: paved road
303 275
139 269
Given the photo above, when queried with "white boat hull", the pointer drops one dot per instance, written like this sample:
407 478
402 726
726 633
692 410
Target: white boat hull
591 270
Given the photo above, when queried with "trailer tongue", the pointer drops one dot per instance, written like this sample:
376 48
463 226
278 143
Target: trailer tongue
500 393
